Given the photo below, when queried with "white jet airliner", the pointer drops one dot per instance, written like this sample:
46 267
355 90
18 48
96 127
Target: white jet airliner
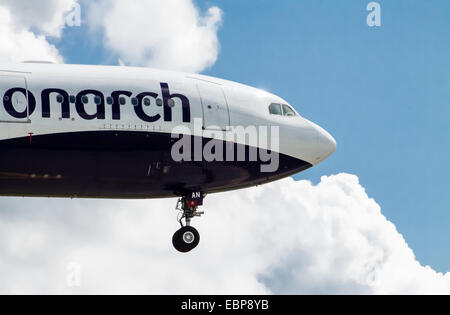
109 132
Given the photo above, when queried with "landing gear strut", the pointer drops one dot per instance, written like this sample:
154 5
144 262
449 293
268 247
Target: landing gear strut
187 238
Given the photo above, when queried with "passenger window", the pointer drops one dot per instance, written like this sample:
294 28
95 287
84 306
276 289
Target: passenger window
85 99
59 98
147 101
287 111
134 101
275 109
98 100
72 98
122 101
109 100
159 102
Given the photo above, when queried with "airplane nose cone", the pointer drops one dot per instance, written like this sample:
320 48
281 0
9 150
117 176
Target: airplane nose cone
326 144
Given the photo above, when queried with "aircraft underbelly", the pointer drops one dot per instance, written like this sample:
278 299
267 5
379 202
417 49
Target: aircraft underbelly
119 164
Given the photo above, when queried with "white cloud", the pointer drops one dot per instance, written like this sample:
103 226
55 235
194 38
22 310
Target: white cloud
47 16
169 34
25 25
172 34
285 237
20 44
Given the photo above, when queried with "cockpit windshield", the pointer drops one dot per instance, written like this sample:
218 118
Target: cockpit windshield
282 110
288 111
275 109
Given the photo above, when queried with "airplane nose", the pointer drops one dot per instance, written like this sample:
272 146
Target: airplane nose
326 144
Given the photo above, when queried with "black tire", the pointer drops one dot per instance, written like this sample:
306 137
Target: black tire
186 239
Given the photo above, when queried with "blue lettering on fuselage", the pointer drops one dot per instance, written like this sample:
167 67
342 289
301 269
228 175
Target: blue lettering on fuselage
65 100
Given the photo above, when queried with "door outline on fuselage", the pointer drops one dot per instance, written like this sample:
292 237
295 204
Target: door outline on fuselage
24 86
220 94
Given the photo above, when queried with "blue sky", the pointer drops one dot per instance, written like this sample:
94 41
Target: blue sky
383 93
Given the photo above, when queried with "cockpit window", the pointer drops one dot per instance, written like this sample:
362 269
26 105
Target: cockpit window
288 111
275 109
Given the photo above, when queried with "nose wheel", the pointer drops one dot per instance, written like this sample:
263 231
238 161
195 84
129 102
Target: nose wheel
187 238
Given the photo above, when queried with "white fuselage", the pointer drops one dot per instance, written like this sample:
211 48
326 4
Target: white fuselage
45 107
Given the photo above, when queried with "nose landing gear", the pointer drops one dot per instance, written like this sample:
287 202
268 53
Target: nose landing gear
187 238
